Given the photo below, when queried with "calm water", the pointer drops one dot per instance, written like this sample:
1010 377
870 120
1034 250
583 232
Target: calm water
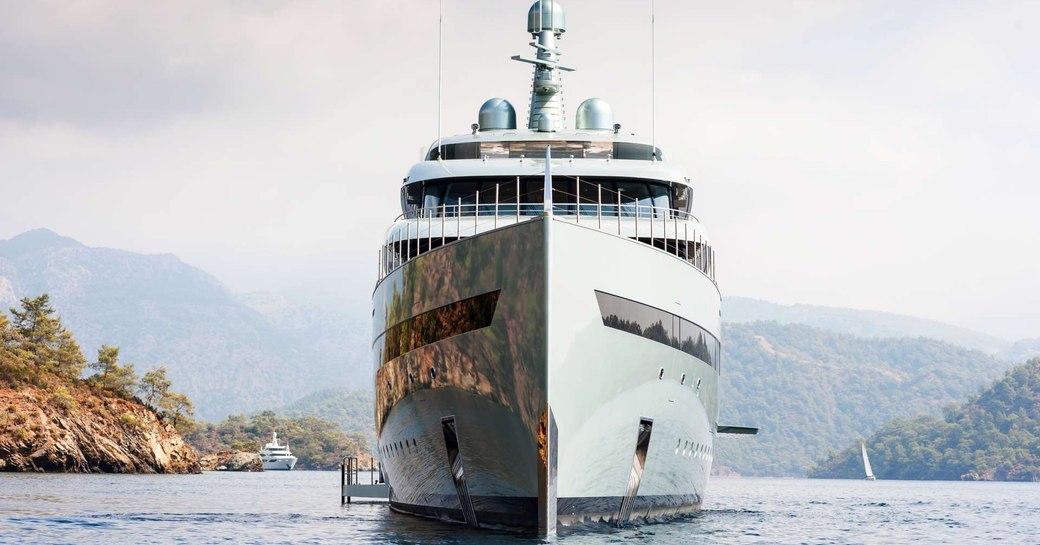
303 507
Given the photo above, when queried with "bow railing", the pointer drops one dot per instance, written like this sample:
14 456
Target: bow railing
421 230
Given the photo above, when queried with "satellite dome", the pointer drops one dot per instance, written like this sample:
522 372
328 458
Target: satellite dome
551 18
496 113
594 115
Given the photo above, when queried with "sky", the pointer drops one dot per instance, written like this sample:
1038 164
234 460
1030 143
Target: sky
878 155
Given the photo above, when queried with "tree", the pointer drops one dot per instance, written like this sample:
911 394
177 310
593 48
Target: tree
154 386
155 391
36 323
180 410
45 339
15 366
67 360
118 379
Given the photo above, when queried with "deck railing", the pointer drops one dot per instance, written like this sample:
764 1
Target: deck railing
424 229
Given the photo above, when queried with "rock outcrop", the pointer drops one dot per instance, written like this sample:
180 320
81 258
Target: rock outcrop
73 429
232 460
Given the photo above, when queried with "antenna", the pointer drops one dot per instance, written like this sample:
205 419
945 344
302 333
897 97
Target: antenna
653 78
440 56
546 23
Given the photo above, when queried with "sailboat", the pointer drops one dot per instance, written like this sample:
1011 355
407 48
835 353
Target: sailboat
866 463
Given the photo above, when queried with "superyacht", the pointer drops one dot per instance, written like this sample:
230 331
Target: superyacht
546 321
276 456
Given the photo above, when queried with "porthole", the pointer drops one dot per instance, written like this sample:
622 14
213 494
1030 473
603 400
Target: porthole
660 375
433 373
682 380
411 378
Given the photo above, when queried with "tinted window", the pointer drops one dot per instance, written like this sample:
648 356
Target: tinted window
467 150
534 149
436 325
659 326
639 152
645 194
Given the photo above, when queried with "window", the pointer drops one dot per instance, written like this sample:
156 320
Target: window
532 149
659 326
459 195
535 149
633 151
436 325
465 150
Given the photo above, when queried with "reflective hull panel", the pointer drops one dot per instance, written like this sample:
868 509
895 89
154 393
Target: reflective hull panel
281 464
545 416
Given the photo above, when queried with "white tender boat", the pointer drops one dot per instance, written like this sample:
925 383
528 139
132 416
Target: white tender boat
277 457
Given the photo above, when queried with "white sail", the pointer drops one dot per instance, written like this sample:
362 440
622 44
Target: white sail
866 463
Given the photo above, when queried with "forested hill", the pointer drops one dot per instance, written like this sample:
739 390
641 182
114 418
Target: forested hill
812 391
229 353
352 410
995 435
862 323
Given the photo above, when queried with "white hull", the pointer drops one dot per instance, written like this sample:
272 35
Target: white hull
546 402
283 464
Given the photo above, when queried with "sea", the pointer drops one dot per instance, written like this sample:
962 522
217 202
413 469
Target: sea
303 507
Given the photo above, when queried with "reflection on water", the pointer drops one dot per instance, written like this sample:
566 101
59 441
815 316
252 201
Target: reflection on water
303 507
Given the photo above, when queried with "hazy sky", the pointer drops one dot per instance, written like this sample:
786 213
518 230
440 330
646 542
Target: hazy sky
869 154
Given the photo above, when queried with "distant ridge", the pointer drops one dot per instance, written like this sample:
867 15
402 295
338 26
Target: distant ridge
220 351
35 240
811 391
863 323
993 435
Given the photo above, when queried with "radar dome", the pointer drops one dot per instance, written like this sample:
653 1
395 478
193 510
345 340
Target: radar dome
594 115
496 113
550 18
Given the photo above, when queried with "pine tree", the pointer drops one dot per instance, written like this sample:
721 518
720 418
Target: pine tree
118 379
180 410
51 346
15 366
68 360
154 387
37 325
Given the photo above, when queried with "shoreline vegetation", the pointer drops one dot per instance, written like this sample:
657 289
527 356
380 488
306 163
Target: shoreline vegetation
993 436
317 443
53 419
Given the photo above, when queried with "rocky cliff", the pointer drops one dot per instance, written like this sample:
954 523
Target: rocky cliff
232 460
73 429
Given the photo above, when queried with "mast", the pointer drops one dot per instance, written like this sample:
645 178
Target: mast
546 23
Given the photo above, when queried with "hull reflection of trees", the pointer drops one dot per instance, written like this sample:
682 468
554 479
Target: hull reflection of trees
503 361
656 331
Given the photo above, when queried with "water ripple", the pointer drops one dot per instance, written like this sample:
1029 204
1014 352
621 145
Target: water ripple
303 508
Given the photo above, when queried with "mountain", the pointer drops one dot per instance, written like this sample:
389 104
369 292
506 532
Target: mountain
812 390
863 323
353 410
218 348
995 435
1023 350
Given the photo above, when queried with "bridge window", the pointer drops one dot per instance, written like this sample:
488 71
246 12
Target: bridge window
535 149
571 195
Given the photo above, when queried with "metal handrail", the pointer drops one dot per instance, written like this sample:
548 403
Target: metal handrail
660 227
